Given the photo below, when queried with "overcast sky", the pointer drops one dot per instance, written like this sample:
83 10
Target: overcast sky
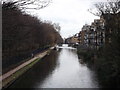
70 14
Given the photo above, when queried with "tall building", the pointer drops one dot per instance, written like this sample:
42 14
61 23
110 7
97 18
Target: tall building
93 36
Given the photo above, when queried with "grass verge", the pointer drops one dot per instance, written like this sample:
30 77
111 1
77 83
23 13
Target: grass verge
6 82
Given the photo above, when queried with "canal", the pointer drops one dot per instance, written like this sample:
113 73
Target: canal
60 69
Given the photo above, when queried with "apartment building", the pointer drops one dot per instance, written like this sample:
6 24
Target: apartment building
93 35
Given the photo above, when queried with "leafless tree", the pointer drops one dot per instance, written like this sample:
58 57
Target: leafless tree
29 4
111 6
57 27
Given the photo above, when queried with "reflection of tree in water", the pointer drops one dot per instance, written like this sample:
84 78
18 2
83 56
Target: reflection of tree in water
73 50
81 61
90 66
87 63
39 72
59 50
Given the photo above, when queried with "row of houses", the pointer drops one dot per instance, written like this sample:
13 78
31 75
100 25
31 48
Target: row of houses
73 39
92 36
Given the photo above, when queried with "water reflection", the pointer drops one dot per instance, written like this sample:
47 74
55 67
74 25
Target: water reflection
38 73
61 69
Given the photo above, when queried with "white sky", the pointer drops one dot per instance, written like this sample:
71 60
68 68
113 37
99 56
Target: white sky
70 14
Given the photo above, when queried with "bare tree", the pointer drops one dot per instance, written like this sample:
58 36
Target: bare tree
111 6
29 4
57 27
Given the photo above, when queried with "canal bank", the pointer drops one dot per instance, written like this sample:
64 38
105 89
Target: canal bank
60 69
12 75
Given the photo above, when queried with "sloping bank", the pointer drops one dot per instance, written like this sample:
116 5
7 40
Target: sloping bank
13 74
106 65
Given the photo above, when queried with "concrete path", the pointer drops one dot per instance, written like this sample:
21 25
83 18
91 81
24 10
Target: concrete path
9 73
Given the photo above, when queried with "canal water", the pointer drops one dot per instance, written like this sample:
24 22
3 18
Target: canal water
60 69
